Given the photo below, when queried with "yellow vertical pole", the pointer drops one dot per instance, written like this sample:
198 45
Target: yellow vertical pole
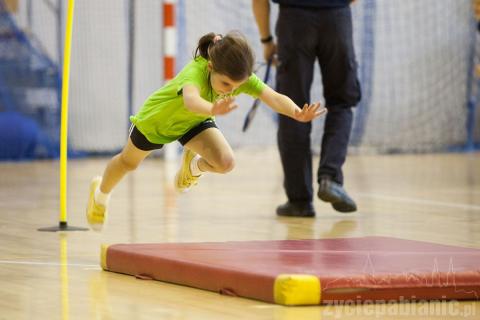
64 115
62 226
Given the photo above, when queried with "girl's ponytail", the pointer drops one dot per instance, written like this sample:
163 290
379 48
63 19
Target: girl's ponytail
203 44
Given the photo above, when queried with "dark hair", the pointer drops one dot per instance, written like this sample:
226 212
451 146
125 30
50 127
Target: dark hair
231 55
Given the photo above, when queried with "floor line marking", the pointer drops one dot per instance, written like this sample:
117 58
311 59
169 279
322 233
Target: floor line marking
40 263
421 201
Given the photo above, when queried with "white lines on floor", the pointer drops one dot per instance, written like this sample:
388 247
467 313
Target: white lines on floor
421 201
49 264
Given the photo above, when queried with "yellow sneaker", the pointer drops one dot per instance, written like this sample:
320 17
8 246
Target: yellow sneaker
184 178
96 213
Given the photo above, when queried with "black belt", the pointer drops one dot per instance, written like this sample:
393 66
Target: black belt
290 6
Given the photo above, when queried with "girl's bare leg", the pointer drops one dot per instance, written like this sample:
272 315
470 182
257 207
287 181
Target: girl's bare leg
124 162
216 154
100 187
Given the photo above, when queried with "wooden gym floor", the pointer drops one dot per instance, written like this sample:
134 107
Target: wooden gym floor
47 275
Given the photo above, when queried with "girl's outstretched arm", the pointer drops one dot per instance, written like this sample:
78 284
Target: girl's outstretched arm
284 105
195 103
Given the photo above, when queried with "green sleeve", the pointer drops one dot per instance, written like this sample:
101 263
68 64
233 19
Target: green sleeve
253 87
194 73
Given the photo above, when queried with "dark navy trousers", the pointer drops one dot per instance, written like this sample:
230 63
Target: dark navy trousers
305 36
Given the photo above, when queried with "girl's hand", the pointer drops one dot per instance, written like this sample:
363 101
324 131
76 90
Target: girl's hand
309 112
223 106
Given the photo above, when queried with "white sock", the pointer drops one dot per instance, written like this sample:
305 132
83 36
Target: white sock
194 169
101 198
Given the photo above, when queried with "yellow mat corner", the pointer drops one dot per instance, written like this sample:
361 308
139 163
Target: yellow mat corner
297 289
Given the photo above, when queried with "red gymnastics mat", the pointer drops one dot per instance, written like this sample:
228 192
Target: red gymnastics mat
308 272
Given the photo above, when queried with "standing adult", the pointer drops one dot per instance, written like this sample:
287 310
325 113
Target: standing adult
307 31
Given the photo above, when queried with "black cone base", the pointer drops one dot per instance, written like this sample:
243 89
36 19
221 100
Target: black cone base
62 226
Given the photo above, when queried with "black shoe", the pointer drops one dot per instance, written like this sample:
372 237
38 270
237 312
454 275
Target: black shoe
296 209
330 191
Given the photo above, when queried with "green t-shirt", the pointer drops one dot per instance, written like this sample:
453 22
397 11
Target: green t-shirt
164 118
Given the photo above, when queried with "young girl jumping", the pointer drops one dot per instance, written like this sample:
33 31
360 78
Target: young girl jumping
184 110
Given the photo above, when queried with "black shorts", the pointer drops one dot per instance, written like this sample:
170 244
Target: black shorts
142 143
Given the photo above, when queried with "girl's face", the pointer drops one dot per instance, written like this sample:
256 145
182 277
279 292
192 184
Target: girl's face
222 84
